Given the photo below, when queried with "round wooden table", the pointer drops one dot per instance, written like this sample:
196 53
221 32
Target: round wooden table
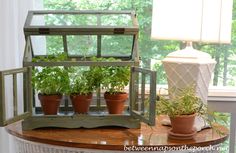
113 139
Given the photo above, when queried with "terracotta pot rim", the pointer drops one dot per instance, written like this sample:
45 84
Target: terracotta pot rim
185 116
75 95
42 94
116 97
115 93
79 94
88 97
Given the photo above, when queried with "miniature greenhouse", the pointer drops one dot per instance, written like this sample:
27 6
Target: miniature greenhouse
89 49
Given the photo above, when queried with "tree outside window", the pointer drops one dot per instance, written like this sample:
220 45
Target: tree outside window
151 51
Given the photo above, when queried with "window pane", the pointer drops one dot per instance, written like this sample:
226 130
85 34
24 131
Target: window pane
153 51
64 19
115 45
82 45
81 19
47 45
116 20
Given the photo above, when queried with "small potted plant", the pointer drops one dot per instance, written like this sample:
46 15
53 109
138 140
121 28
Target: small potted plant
81 91
114 81
182 110
51 83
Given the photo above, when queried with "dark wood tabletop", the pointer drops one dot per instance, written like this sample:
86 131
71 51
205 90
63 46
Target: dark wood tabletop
111 138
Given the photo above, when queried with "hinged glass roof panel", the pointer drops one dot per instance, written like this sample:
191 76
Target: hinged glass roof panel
63 20
72 22
116 45
83 45
47 45
82 34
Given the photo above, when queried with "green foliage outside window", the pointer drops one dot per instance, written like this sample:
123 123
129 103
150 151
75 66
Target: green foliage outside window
225 55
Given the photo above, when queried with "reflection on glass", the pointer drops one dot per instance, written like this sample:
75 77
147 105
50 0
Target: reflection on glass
146 97
47 45
38 20
20 94
8 79
116 20
82 45
64 19
81 19
118 45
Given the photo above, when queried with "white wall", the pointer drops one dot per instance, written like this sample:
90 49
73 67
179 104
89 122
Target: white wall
12 18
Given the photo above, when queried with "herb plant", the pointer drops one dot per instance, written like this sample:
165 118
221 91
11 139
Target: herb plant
185 103
84 82
112 78
115 78
50 80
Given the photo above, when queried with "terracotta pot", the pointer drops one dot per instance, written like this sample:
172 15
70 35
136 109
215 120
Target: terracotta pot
115 102
50 103
183 124
81 103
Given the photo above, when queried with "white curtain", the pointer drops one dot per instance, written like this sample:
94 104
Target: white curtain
12 17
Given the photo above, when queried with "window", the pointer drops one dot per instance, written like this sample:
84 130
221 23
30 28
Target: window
152 52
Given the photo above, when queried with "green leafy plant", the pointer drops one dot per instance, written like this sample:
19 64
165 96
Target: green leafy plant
50 80
187 103
51 58
115 78
97 72
84 82
112 78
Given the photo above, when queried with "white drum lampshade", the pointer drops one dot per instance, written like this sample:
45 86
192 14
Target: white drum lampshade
206 21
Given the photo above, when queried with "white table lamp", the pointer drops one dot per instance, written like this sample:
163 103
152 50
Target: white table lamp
207 21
